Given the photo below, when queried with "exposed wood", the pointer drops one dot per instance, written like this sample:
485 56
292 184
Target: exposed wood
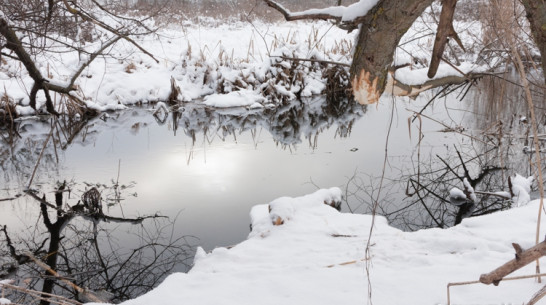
522 259
380 33
444 32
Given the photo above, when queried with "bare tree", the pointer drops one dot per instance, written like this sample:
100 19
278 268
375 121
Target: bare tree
86 254
28 27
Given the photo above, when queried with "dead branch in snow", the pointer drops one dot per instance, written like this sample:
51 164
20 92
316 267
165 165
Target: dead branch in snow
523 258
513 278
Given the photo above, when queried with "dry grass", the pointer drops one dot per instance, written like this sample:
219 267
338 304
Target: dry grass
7 108
130 68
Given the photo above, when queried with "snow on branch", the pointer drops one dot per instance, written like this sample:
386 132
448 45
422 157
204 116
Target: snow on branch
347 16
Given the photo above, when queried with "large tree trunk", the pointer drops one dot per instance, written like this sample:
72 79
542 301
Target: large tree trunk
536 13
380 34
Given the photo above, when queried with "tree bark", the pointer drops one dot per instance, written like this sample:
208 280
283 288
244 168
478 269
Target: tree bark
536 14
522 259
444 31
380 33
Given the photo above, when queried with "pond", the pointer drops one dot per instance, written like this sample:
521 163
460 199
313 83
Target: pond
205 168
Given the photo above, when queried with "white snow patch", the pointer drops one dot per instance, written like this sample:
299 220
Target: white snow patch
521 187
4 301
470 190
410 76
234 99
316 257
347 13
457 196
456 193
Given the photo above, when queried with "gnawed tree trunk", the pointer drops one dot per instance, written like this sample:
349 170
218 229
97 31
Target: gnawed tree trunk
380 33
536 14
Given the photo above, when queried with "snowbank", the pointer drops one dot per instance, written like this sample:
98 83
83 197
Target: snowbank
204 63
316 257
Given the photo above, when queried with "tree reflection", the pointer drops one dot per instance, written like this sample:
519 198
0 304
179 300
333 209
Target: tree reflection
489 147
287 124
76 236
114 258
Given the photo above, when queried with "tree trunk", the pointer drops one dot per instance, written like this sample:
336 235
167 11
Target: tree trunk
380 34
536 14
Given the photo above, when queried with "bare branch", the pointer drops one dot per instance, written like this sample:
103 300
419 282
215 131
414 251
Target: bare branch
445 30
289 16
522 259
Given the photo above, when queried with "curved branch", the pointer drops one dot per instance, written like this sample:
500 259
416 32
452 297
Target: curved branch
312 14
397 88
320 14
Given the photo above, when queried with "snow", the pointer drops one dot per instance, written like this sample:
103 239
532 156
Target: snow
457 196
411 76
521 187
347 13
470 190
235 99
200 58
4 301
361 8
317 256
214 58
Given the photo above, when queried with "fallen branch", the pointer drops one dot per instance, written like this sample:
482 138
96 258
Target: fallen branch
88 294
52 298
449 285
522 259
398 88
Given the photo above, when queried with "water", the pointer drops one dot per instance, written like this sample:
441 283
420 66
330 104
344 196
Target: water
214 179
205 168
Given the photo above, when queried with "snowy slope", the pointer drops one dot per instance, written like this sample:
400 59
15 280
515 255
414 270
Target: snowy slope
301 261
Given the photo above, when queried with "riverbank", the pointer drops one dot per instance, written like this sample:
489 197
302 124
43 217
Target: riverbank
318 256
231 64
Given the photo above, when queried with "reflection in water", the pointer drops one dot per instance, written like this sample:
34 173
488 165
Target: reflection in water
114 258
287 124
490 138
28 141
78 238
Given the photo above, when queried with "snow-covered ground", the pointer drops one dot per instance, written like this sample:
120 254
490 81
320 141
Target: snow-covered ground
202 60
318 257
215 58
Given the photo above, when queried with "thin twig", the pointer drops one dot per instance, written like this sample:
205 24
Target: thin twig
40 157
513 278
